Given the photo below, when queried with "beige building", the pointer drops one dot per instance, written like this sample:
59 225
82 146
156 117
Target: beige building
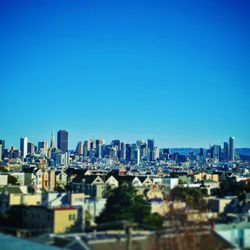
43 220
49 180
202 176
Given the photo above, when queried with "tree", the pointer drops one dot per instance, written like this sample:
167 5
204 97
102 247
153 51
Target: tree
12 180
193 197
108 191
123 204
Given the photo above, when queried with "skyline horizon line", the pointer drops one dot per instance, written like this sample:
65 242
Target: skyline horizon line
73 145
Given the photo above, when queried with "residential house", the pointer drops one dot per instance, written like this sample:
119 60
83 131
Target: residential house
112 182
61 179
92 185
39 219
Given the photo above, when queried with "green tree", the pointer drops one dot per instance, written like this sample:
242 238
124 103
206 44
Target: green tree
123 204
193 197
108 191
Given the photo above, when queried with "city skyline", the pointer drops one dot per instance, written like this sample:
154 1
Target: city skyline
53 141
174 71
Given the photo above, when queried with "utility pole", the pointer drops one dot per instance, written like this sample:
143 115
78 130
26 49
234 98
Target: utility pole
129 228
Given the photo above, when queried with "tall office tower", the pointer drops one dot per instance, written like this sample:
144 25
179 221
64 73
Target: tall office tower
1 153
86 148
133 152
123 151
137 156
2 143
31 148
216 152
52 141
151 147
128 152
225 151
113 153
92 144
143 151
156 153
231 155
106 150
79 148
62 140
43 145
99 143
165 153
117 144
99 150
24 146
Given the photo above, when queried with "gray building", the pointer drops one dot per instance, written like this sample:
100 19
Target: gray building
231 149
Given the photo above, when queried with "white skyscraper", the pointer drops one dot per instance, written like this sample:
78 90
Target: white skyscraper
24 146
52 141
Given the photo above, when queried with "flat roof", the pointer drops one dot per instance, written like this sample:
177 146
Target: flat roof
9 242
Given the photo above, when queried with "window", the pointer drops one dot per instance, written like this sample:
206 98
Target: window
71 217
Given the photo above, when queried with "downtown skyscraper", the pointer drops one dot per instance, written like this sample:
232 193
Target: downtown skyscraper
24 146
231 149
62 140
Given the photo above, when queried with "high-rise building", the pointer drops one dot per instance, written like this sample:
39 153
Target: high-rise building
85 148
143 151
225 151
137 156
99 150
99 146
2 143
216 152
42 146
52 141
128 152
92 144
123 151
79 148
231 155
62 140
116 143
24 146
31 148
156 153
165 153
133 152
151 147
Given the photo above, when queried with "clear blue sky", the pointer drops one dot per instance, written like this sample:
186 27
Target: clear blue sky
176 71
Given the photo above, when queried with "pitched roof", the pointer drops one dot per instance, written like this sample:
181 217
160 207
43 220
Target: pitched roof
88 179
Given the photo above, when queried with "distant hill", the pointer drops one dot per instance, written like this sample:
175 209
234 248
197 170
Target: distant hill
186 151
244 151
245 157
